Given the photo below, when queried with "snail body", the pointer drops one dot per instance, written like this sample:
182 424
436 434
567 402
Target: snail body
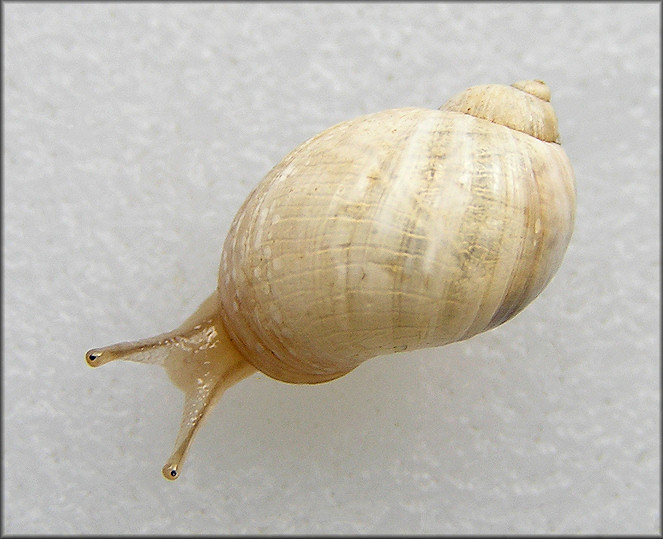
403 229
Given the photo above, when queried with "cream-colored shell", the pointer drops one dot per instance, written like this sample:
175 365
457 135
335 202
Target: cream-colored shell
399 230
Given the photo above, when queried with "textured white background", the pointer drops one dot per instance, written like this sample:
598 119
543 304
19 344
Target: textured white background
132 135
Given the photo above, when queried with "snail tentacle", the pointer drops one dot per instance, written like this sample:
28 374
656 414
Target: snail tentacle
198 401
153 350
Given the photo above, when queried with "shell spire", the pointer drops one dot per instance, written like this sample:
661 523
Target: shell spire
523 106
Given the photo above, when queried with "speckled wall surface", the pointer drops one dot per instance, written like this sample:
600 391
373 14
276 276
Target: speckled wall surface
132 135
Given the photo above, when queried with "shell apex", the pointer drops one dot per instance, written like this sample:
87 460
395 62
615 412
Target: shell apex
523 106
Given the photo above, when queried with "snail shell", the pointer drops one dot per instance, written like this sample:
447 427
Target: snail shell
404 229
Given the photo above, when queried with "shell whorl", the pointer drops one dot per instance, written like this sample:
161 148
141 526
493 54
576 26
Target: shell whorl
523 106
403 229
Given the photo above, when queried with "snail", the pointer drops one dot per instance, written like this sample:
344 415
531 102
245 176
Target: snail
398 230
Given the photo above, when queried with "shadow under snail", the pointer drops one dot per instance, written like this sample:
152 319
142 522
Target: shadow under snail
404 229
